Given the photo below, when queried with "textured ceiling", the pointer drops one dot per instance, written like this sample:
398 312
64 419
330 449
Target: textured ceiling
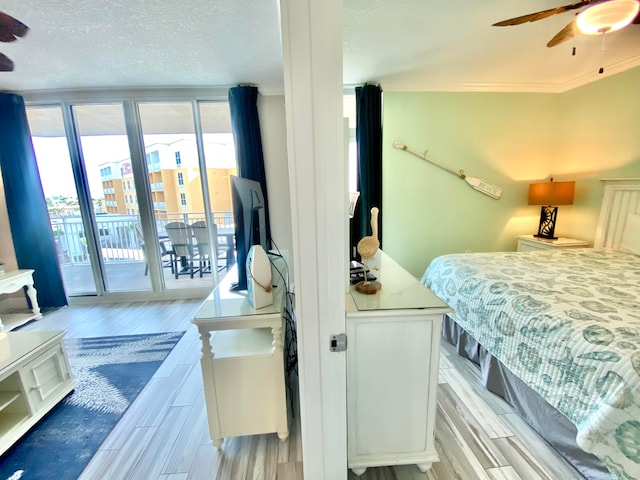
141 43
451 45
402 44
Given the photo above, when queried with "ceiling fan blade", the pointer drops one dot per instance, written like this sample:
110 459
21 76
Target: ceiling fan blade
11 29
6 65
567 33
534 17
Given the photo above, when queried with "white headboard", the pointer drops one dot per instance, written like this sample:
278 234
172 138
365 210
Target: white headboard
621 198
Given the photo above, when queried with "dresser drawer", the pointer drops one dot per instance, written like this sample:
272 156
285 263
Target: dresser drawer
524 246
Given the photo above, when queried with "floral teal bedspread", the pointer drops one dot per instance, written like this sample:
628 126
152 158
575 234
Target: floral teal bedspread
566 322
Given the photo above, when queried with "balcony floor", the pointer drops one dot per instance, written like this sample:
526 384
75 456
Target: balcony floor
128 277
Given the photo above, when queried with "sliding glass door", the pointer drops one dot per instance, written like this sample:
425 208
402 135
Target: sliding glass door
182 185
111 198
220 159
98 249
57 177
121 256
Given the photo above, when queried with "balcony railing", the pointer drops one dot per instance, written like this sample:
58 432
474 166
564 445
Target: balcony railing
118 239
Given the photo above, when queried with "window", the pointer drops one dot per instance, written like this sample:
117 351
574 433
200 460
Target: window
153 161
180 180
106 156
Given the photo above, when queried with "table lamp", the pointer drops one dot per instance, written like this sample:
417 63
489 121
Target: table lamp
550 194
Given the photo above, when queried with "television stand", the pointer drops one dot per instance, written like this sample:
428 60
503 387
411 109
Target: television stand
242 362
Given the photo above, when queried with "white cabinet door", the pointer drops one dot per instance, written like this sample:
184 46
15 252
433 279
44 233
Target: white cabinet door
45 377
392 365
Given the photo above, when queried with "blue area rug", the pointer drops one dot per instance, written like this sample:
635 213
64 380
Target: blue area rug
111 372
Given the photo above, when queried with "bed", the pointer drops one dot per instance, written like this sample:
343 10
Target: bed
557 334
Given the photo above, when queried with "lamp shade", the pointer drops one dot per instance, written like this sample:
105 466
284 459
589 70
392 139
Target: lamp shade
551 193
607 17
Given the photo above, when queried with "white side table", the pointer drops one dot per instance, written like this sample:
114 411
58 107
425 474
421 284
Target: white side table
243 362
527 243
12 281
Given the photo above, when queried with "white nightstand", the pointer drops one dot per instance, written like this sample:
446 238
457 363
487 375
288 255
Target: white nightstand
527 243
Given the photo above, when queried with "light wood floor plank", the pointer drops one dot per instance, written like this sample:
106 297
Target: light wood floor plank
456 457
289 471
186 352
162 397
462 420
521 460
471 373
182 456
115 465
532 448
152 460
191 388
174 476
483 413
503 473
205 464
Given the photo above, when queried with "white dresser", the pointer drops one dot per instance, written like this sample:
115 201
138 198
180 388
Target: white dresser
242 362
392 370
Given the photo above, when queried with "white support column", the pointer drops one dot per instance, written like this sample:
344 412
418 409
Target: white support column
312 51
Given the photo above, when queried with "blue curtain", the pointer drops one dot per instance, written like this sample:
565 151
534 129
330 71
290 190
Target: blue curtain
30 228
245 124
369 148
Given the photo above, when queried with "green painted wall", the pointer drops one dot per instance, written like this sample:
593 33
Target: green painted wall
510 139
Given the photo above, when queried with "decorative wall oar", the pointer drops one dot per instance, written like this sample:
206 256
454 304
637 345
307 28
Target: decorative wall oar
483 186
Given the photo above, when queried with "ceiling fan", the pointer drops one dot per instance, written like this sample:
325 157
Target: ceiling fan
10 30
596 18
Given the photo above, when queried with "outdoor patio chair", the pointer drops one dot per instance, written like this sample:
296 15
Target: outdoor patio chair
181 238
204 251
164 251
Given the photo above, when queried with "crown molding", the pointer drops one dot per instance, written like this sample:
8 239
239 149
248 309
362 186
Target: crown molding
512 87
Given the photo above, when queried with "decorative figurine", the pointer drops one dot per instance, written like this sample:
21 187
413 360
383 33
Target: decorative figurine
367 248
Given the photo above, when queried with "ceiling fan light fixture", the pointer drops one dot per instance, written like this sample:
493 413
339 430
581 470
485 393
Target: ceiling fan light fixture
607 17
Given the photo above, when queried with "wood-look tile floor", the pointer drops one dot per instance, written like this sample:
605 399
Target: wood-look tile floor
164 433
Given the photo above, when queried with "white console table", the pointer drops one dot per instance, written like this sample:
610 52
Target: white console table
12 281
34 377
242 362
392 370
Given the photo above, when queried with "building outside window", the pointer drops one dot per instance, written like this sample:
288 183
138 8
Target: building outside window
178 160
180 180
183 200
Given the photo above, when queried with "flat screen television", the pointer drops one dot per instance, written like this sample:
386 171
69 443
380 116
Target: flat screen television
249 221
